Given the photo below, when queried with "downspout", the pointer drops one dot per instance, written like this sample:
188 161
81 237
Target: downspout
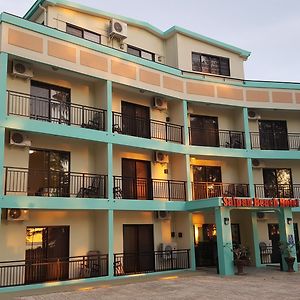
45 14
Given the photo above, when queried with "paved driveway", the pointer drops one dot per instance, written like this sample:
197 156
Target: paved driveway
258 284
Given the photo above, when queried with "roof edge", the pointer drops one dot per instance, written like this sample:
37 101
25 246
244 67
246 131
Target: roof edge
163 34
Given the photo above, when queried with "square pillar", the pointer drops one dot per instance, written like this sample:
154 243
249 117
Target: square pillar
287 235
110 183
188 178
111 243
185 122
192 245
250 178
224 241
109 105
3 84
246 128
255 237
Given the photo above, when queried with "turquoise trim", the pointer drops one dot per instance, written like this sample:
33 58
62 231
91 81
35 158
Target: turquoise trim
33 8
250 178
10 19
188 177
192 244
109 101
256 240
197 205
224 241
110 183
246 128
144 25
110 220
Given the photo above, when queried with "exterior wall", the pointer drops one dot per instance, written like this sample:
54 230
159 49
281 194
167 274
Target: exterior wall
188 45
82 234
161 228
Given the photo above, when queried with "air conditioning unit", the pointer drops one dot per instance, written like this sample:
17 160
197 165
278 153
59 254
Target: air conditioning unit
19 139
162 215
16 214
167 249
160 103
256 163
117 29
253 115
161 157
22 69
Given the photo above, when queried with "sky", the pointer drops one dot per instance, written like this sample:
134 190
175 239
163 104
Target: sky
270 29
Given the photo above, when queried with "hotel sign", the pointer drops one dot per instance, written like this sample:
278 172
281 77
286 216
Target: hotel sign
259 202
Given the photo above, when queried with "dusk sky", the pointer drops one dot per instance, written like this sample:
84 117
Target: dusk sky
269 29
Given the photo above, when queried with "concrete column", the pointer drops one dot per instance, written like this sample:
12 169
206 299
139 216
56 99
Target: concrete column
110 243
255 236
250 178
3 84
188 178
109 105
192 245
110 182
246 128
287 235
185 123
224 241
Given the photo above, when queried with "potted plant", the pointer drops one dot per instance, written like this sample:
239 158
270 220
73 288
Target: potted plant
241 258
286 250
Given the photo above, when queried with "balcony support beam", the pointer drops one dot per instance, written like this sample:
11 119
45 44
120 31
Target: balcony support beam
224 241
287 235
110 184
250 178
255 237
110 243
3 84
109 105
185 123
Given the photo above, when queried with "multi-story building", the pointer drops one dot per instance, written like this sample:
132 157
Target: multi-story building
125 150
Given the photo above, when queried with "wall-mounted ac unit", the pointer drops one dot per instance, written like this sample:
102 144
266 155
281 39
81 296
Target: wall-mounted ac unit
253 115
256 163
167 249
162 215
160 103
16 214
161 157
22 69
19 139
117 29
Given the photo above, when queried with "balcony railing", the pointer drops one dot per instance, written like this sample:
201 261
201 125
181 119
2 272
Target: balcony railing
47 183
217 138
54 111
148 189
205 190
275 141
22 272
156 261
147 128
277 190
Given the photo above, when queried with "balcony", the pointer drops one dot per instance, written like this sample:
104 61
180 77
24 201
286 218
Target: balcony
275 141
205 190
156 261
216 138
54 111
22 272
148 189
277 191
47 183
147 128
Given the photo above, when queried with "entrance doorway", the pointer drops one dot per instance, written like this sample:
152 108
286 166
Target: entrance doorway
44 247
136 176
138 246
48 173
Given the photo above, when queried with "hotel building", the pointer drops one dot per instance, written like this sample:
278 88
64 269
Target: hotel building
126 150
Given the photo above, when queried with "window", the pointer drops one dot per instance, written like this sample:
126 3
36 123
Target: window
210 64
141 53
83 33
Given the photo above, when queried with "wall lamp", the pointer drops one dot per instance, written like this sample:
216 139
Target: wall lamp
289 221
226 221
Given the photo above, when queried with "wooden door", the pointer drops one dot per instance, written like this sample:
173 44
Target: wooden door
204 131
138 248
136 176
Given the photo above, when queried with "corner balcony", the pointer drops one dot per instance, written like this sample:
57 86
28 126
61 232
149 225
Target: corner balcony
277 190
217 138
206 190
149 189
275 141
147 128
48 183
23 272
55 111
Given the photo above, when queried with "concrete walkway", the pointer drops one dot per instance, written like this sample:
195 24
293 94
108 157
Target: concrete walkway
266 283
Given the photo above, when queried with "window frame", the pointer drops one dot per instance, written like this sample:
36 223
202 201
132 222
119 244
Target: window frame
83 30
210 57
140 52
